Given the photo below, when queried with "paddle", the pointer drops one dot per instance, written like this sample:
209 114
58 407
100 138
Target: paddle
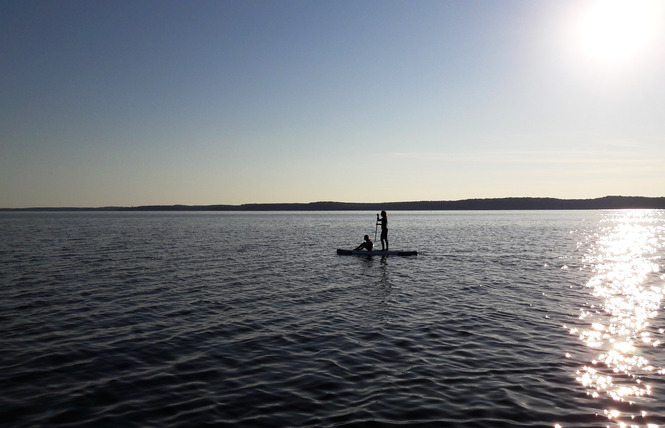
377 227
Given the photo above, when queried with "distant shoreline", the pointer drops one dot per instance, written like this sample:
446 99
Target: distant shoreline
490 204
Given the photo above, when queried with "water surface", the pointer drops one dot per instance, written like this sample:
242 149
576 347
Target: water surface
251 319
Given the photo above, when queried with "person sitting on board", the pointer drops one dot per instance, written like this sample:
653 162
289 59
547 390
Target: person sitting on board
383 221
367 245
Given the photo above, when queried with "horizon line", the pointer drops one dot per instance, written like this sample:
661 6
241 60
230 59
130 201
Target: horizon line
256 206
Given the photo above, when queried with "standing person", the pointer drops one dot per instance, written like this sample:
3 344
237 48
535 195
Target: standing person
384 230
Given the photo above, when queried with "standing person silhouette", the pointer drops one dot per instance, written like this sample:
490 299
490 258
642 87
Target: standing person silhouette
383 221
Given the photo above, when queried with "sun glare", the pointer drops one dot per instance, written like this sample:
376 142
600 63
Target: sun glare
616 31
628 282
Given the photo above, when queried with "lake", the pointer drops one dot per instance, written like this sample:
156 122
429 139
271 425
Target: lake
505 318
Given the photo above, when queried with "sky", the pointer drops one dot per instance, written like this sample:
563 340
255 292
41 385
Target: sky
125 103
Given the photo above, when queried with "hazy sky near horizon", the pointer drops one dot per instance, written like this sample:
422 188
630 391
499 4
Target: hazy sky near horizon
226 102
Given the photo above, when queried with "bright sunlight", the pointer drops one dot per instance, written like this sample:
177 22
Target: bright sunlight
613 32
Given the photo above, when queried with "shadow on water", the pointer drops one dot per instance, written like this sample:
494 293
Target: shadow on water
375 276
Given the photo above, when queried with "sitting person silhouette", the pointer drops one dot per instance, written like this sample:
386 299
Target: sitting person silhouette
367 245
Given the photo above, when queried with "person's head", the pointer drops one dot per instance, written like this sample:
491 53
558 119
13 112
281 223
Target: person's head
383 214
366 237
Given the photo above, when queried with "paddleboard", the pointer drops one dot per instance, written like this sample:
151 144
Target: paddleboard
375 253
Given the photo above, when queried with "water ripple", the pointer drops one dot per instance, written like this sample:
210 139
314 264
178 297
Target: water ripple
252 320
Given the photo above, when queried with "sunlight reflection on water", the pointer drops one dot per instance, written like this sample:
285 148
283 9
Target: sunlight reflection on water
625 258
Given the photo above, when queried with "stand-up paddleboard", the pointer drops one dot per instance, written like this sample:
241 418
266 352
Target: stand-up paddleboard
375 253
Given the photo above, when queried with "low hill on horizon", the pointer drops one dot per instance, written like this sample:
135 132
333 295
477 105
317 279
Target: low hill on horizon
511 203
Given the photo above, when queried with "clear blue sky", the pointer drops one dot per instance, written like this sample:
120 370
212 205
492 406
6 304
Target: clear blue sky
206 102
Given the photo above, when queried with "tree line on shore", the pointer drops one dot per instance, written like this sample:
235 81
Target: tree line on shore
607 202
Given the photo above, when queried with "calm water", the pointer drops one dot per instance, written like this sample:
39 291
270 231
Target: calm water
193 319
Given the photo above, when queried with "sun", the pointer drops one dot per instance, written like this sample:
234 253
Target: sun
616 31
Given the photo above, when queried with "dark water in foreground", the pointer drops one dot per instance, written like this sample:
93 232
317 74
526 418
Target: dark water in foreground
190 319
